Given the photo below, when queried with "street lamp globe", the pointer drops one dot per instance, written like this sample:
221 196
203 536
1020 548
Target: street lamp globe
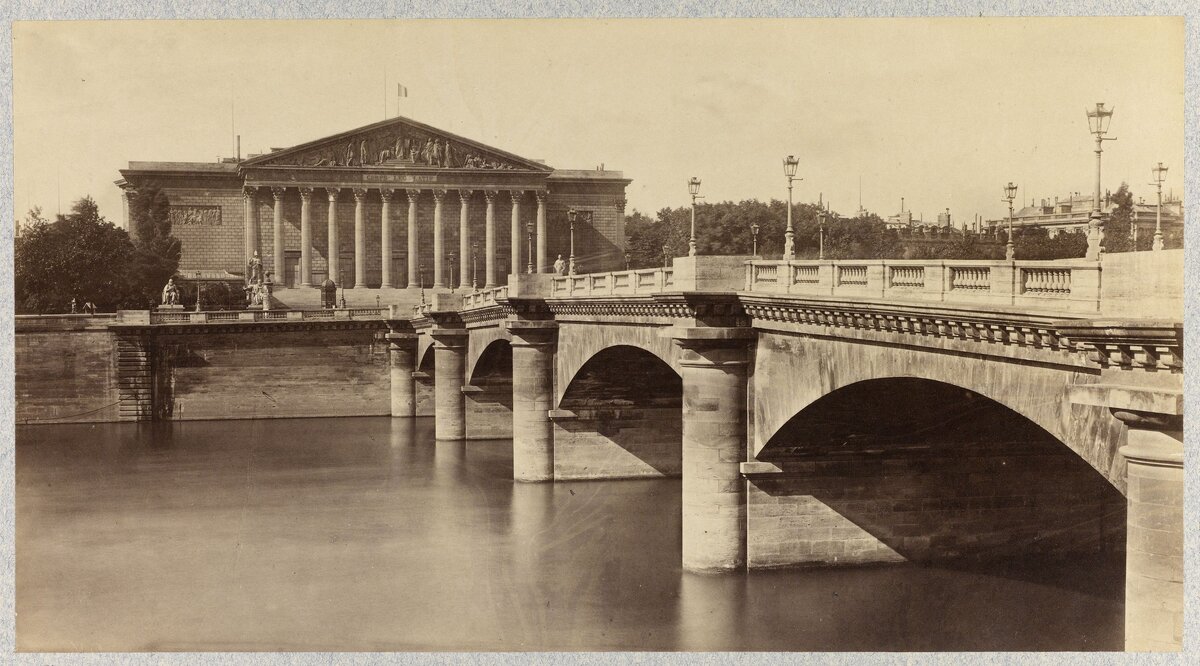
790 164
694 190
1099 118
694 186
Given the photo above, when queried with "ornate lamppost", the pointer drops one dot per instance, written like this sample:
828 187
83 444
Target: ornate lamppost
821 235
571 215
790 164
666 254
474 266
453 264
626 260
1010 193
694 190
200 285
421 272
1098 120
529 248
1158 181
342 282
754 239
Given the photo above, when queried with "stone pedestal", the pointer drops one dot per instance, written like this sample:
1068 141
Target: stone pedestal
169 308
402 360
449 366
533 345
1154 595
714 366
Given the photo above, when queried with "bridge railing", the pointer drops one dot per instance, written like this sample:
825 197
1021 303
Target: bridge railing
618 283
235 316
484 297
1065 285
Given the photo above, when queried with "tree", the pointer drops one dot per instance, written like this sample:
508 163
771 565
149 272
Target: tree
158 252
80 255
1116 230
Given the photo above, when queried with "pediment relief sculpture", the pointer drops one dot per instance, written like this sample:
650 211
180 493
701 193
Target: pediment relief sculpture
396 146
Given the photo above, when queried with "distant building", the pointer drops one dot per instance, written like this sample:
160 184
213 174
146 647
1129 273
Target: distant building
901 220
1072 213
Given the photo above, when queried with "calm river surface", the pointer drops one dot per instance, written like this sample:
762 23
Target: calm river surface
364 534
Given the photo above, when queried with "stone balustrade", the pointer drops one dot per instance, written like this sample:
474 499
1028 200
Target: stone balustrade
1063 286
619 283
482 298
236 316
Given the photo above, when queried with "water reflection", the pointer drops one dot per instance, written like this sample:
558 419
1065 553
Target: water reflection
365 534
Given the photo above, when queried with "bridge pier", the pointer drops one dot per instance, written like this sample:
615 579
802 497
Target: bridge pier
533 345
449 367
1154 595
714 364
402 362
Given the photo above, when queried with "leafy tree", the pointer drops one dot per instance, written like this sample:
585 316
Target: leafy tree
158 252
1035 243
80 255
1116 228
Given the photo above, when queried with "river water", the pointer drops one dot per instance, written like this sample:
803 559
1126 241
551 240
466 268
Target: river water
365 534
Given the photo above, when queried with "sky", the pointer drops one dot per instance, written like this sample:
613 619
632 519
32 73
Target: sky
942 112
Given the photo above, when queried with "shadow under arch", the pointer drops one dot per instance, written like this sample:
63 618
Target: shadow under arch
620 417
423 383
489 393
909 469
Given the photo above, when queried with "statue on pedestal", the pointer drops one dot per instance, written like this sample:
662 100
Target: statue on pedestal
170 293
254 274
560 266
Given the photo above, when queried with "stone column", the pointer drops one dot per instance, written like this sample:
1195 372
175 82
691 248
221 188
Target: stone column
402 362
533 346
518 234
413 257
250 216
305 237
464 239
360 240
449 368
333 254
489 251
714 362
1154 594
385 238
543 264
438 241
277 232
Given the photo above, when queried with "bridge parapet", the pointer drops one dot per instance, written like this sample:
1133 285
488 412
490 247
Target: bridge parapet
148 317
618 283
1062 286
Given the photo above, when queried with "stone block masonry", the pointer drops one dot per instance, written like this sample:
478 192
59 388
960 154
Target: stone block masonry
982 500
66 371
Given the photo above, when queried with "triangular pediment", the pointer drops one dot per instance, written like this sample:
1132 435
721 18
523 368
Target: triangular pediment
400 143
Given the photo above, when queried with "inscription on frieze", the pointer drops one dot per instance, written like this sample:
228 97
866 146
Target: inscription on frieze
209 216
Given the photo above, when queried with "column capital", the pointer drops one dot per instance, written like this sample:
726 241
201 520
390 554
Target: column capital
712 346
360 193
277 192
438 195
619 204
306 194
464 194
532 333
490 195
413 193
517 195
541 196
386 194
248 191
333 193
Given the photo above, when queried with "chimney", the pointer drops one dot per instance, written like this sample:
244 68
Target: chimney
901 204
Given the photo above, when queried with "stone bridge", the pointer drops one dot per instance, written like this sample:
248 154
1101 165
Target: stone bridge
842 412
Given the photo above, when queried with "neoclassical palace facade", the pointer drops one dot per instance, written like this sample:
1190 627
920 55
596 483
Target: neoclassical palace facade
393 205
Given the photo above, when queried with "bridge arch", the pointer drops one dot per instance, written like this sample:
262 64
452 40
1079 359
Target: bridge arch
579 343
620 417
488 389
811 368
911 469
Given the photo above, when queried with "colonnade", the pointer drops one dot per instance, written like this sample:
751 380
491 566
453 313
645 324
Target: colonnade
519 236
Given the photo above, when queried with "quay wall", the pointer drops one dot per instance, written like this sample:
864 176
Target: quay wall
65 370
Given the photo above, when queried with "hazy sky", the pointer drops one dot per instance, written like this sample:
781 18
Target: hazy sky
940 111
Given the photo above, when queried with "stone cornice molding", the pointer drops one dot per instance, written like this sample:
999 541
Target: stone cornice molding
1129 344
249 327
